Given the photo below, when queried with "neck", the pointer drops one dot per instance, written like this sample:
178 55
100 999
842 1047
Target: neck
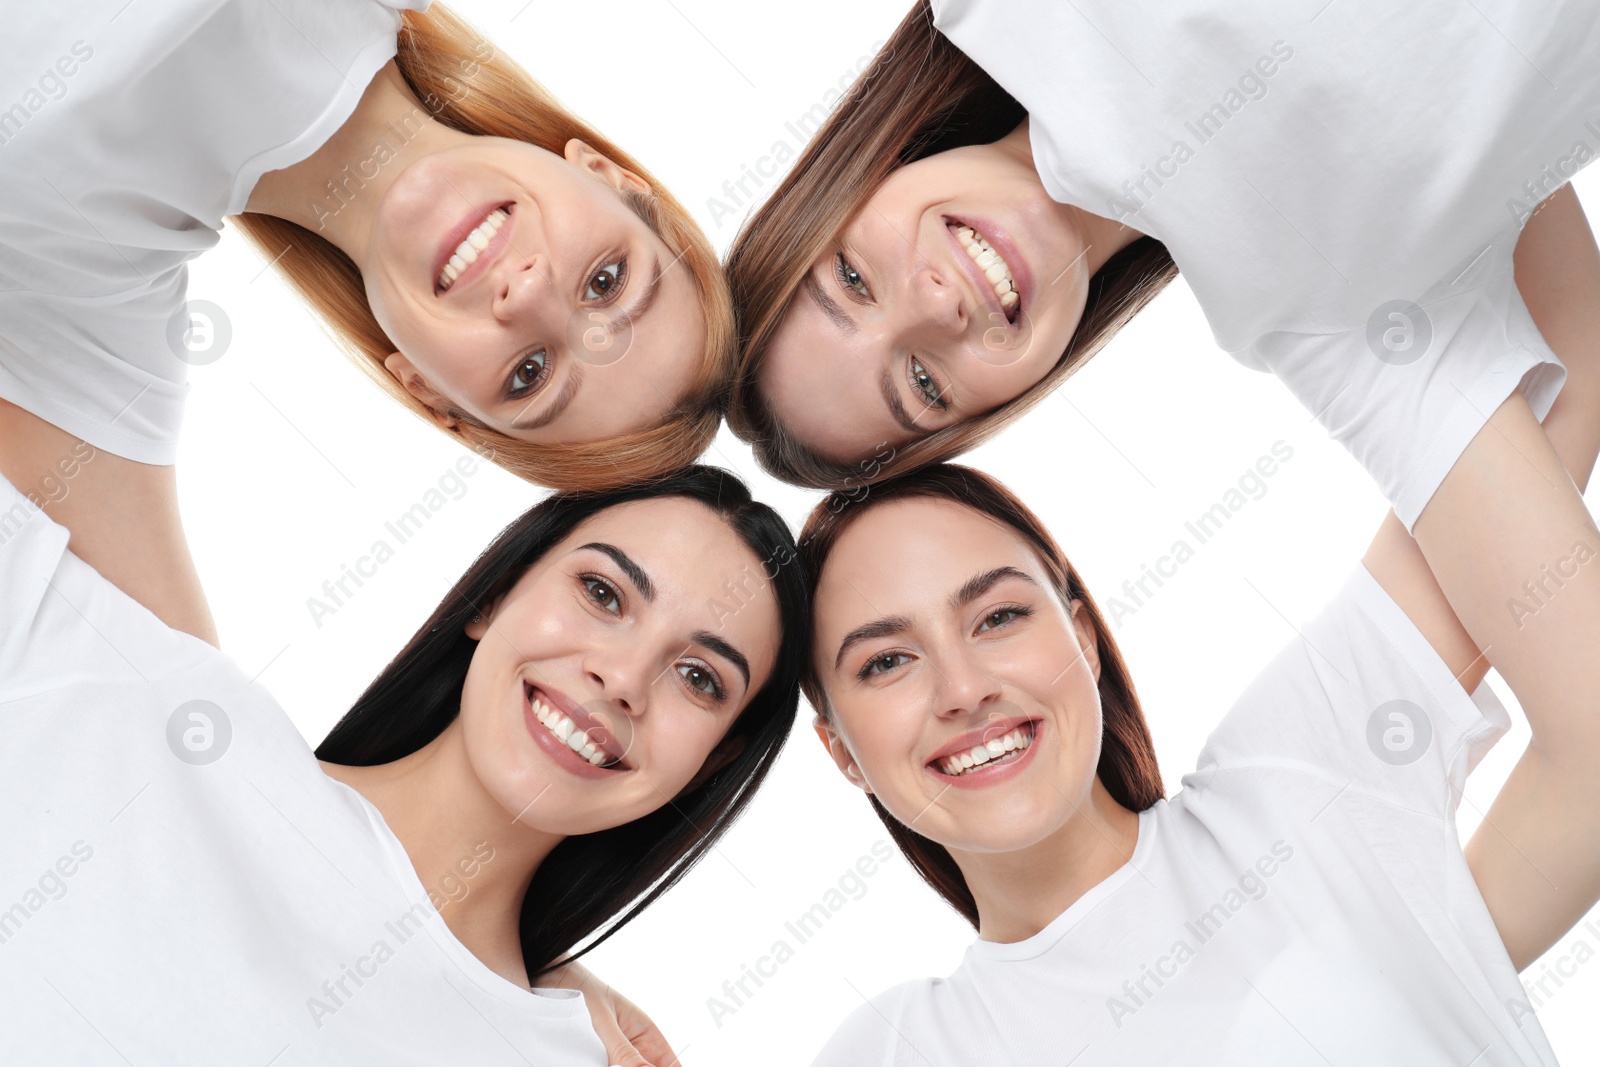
335 191
1102 237
1019 893
473 859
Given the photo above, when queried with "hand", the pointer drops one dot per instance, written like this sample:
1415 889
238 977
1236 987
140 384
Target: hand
631 1039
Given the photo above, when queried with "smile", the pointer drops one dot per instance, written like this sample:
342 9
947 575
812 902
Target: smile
471 247
993 753
992 266
597 751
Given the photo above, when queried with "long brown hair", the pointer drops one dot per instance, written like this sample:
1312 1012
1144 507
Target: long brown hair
921 96
1127 766
468 85
593 884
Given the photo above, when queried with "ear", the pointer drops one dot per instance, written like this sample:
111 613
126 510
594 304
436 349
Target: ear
411 379
581 155
478 625
1088 639
730 749
834 742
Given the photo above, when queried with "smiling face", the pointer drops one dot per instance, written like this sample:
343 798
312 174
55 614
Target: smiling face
956 288
606 676
963 691
523 291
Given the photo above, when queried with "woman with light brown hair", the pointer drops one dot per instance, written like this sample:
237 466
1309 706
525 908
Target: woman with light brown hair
490 259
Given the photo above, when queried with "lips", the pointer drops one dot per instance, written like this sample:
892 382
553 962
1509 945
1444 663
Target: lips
994 264
988 754
563 727
462 231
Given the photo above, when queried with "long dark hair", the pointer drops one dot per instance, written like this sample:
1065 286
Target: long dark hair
1127 766
599 881
921 96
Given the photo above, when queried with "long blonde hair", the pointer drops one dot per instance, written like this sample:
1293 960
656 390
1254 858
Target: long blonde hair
466 84
920 96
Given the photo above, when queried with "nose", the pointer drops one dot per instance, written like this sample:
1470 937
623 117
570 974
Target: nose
965 686
524 289
621 675
934 302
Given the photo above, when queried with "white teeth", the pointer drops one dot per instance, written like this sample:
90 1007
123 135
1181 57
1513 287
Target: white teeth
567 732
998 748
994 268
466 252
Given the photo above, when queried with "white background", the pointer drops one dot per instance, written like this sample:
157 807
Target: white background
292 462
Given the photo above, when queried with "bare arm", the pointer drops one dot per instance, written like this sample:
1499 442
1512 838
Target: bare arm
123 516
1508 509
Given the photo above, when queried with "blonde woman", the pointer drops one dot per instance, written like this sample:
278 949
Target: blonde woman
495 263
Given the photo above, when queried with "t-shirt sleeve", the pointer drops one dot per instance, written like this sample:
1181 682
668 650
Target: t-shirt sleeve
112 369
1408 393
1361 699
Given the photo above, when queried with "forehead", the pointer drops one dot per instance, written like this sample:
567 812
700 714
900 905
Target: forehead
906 557
825 384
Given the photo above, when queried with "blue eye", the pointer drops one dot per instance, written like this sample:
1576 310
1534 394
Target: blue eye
884 663
602 593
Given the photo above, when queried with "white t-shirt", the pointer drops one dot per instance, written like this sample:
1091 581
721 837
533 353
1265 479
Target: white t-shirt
180 883
127 132
1302 900
1342 185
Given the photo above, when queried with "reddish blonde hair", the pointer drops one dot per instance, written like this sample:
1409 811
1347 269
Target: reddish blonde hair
469 86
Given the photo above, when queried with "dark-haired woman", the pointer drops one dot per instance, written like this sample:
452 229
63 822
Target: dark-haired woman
1303 899
570 730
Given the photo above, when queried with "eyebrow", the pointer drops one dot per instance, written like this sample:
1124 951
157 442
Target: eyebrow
635 573
829 306
726 651
888 626
980 584
569 390
896 406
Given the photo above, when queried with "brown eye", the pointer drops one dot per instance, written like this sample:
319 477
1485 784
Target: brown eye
602 593
606 280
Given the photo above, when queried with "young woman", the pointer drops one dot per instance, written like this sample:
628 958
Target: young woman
494 262
1010 182
569 732
1302 899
